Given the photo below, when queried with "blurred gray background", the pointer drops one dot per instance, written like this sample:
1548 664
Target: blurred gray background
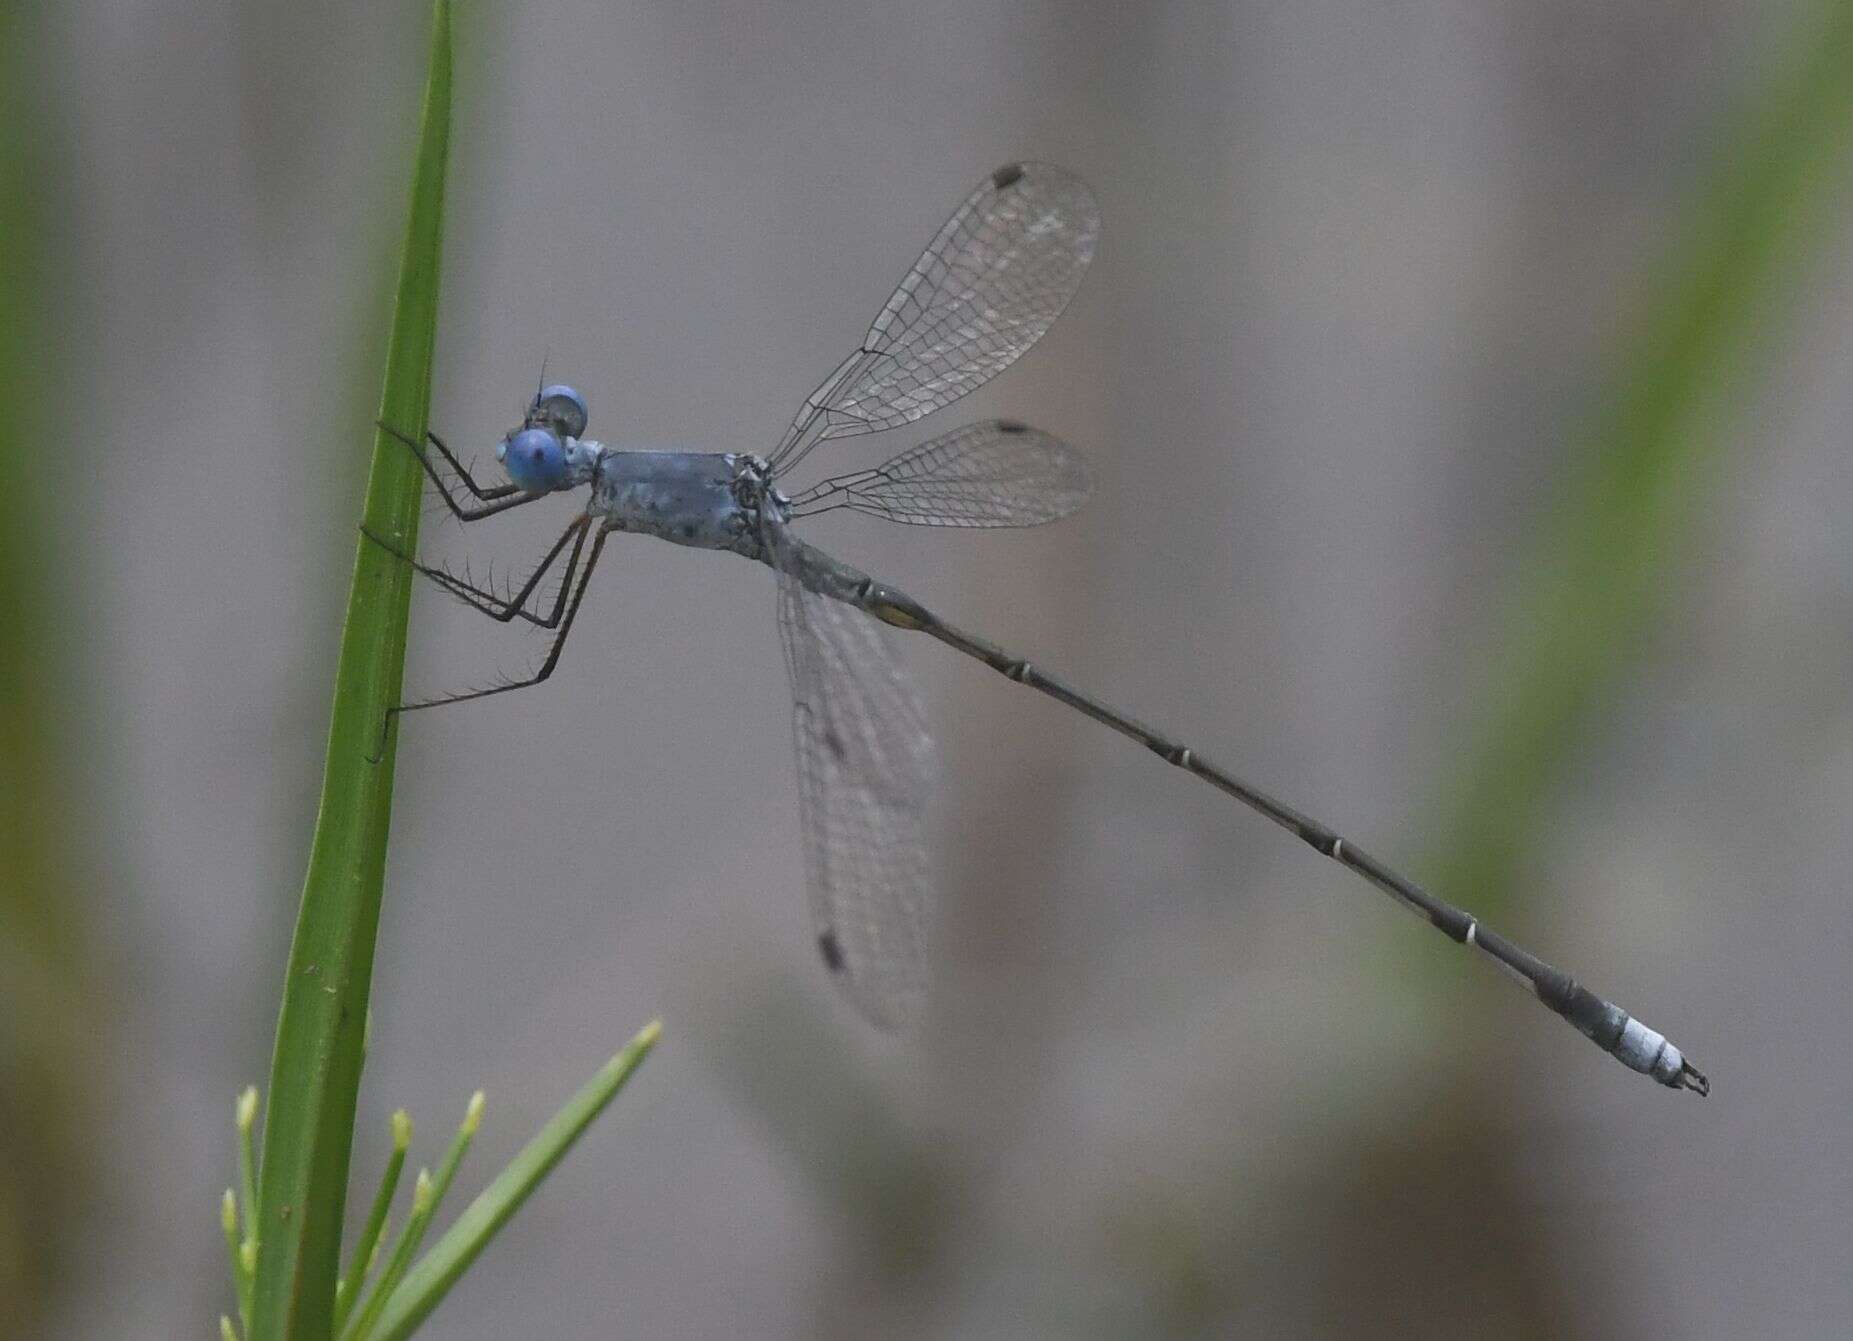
1367 275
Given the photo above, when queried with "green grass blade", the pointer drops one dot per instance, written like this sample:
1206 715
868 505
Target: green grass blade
315 1071
241 1279
428 1282
425 1202
361 1261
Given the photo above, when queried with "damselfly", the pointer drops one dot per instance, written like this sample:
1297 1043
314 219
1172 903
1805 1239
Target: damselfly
991 281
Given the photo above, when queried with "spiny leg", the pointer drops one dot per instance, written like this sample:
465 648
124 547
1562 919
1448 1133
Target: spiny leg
498 499
505 609
489 602
483 495
546 668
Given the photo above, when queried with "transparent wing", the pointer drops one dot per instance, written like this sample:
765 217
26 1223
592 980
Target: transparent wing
991 281
866 767
998 473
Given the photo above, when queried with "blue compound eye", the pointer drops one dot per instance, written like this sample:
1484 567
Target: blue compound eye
562 409
535 460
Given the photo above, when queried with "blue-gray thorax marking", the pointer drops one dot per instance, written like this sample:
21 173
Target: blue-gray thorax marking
708 500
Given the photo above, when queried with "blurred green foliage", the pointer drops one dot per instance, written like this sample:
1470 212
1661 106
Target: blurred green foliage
1592 582
1383 1211
45 1069
1595 575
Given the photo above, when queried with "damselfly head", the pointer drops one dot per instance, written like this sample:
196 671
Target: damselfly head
559 408
535 459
